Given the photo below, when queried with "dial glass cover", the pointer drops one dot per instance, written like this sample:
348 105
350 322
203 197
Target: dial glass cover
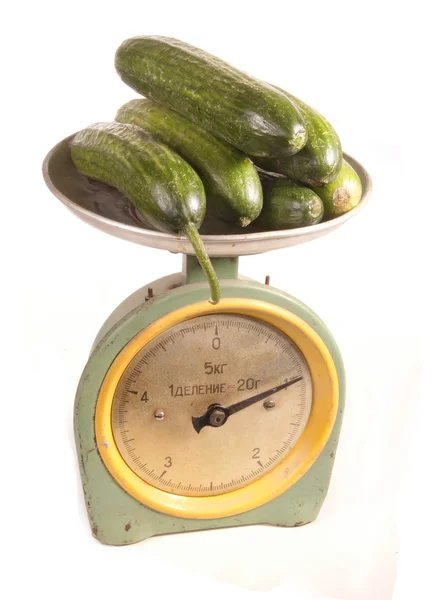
186 414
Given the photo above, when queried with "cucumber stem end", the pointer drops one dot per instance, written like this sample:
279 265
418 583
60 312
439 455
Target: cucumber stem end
192 234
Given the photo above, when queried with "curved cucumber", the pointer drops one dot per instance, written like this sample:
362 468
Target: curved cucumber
319 162
164 188
341 195
287 205
230 179
242 110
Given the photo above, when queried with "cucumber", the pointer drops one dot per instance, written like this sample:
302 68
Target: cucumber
341 195
287 205
248 113
166 191
231 182
319 162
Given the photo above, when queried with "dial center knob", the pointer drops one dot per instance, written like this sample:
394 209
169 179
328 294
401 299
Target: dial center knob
217 417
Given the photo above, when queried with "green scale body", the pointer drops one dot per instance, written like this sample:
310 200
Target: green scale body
115 516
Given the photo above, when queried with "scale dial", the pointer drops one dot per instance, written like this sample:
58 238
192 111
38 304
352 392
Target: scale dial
214 409
161 420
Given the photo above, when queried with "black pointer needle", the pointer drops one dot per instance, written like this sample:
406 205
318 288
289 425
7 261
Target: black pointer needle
216 415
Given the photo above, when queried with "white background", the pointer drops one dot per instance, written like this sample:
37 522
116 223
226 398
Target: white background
373 69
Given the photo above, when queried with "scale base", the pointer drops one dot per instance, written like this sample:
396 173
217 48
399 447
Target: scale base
117 518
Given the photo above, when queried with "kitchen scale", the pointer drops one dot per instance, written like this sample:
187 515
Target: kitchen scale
191 415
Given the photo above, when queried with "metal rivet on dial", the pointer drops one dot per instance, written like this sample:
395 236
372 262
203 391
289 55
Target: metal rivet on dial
159 414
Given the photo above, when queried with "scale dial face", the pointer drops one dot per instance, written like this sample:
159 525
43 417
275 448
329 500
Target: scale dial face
211 360
213 410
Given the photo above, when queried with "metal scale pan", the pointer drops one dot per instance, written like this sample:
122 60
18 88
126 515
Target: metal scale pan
107 209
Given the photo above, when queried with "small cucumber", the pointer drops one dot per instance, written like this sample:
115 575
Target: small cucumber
231 182
287 205
248 113
341 195
319 162
166 191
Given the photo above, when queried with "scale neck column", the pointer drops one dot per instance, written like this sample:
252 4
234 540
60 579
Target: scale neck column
225 268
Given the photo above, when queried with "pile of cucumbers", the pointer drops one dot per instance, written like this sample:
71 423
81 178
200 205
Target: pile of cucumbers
207 137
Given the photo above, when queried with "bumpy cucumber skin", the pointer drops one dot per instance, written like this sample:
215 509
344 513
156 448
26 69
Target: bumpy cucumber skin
319 162
248 113
163 187
287 205
341 195
231 182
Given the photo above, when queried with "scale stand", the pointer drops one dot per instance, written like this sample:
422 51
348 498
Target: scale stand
194 416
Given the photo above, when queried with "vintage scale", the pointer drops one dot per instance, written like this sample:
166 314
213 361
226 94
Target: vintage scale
193 416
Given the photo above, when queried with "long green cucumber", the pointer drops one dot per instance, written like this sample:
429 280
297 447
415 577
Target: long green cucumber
287 205
166 191
319 162
341 195
248 113
230 179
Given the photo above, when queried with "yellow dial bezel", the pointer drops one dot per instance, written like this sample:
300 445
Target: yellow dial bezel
271 485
